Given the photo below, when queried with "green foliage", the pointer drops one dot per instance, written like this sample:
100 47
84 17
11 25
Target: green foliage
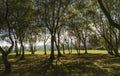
94 40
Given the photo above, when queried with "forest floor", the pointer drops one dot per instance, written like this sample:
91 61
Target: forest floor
67 65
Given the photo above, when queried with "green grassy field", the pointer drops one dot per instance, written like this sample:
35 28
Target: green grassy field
96 63
41 52
66 51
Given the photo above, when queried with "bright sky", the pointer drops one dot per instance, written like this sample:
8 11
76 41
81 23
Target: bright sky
3 43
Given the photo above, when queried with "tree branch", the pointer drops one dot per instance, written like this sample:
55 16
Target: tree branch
9 28
107 14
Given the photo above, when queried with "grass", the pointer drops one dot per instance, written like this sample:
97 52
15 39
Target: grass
92 64
66 52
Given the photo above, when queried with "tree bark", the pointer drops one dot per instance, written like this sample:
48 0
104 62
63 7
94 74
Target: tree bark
45 47
111 46
52 57
110 51
71 46
16 48
79 46
32 49
85 47
68 47
117 43
5 53
22 50
63 48
57 43
6 63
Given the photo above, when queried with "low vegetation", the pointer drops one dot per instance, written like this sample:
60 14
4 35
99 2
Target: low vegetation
92 64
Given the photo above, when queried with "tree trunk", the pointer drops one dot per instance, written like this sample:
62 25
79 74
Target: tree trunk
32 48
110 51
59 53
45 48
52 57
16 45
84 43
16 48
32 51
71 47
63 48
22 50
79 46
111 47
6 63
5 59
78 51
116 52
117 43
68 47
85 49
57 42
5 53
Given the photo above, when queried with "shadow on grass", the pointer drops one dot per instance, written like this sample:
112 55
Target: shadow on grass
84 69
69 65
112 64
69 69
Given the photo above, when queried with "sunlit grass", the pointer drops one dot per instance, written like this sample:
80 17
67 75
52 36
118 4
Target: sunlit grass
67 52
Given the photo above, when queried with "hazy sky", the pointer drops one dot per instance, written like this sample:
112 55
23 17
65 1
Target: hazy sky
3 43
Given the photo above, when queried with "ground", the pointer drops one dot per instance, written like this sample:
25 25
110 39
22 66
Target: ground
92 64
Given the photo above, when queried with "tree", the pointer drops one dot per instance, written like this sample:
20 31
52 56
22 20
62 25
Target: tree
80 23
45 37
8 26
75 31
57 43
32 37
107 14
51 16
108 35
23 20
111 12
